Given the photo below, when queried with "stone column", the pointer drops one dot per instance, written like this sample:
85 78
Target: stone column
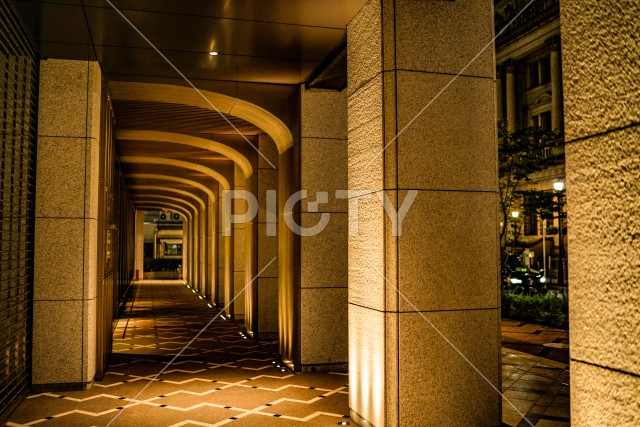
212 266
557 113
185 248
202 247
511 101
193 237
264 291
225 257
66 235
288 262
139 265
602 130
499 93
236 310
419 300
323 254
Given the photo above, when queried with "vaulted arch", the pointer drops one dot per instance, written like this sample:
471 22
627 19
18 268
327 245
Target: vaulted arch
223 104
192 141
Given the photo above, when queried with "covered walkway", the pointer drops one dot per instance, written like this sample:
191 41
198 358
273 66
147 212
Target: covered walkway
220 377
155 379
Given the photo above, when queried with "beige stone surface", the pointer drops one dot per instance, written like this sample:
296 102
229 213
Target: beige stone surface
267 250
239 290
439 268
59 259
62 104
367 361
57 342
364 47
60 177
603 184
600 397
600 51
323 257
267 305
366 255
365 146
269 150
452 34
90 258
94 98
452 144
324 168
89 322
323 114
267 180
440 394
92 179
323 327
239 249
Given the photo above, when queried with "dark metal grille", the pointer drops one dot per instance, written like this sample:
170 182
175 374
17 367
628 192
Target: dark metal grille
18 111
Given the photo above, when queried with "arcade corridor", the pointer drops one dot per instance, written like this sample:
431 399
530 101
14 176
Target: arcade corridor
223 376
333 164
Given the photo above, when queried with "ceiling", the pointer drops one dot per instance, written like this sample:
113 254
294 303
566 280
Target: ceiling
266 49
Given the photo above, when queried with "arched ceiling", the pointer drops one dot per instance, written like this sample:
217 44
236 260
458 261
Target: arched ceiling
185 119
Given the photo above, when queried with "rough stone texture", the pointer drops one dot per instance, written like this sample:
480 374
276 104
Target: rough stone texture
324 114
447 255
268 305
449 374
448 142
61 164
58 263
267 250
603 184
365 46
600 49
452 35
66 235
324 331
441 272
62 105
324 168
89 323
323 255
268 148
367 356
267 180
365 149
601 89
323 262
57 342
366 261
601 397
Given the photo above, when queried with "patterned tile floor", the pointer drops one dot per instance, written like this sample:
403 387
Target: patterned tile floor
223 377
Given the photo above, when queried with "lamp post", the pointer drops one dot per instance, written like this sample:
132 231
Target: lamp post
559 187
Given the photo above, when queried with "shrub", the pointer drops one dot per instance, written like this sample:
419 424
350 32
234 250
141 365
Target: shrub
544 309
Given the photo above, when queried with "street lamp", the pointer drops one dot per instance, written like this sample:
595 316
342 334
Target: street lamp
559 187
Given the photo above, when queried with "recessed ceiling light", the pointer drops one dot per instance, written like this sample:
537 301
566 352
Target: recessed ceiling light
213 53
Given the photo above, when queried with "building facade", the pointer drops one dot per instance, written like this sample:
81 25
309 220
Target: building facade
529 93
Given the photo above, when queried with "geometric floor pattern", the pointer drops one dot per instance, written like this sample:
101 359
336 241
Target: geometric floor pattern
544 341
222 377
